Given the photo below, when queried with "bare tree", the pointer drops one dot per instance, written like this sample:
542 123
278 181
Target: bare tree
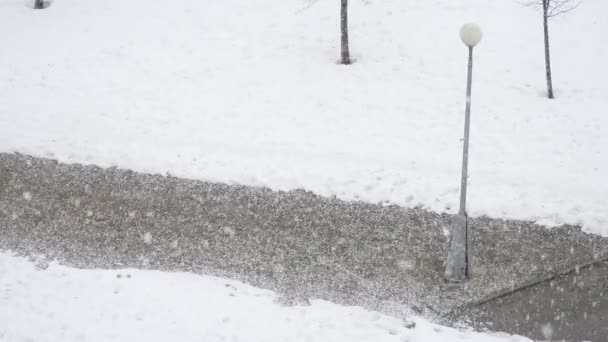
345 53
344 32
39 4
552 8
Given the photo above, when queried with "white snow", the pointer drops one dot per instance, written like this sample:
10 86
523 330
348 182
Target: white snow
249 92
66 304
27 196
147 238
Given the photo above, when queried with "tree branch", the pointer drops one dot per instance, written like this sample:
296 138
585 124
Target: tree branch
553 7
309 4
562 7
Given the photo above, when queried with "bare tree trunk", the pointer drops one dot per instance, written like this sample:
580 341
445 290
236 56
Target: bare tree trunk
39 4
547 52
344 32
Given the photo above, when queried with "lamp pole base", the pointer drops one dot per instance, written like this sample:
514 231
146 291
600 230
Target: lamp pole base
458 265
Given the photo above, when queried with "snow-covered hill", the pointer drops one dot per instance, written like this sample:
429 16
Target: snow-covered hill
249 92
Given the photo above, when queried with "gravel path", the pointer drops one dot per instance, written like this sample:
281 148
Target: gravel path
303 246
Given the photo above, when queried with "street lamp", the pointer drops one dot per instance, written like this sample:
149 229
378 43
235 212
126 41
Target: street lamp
460 254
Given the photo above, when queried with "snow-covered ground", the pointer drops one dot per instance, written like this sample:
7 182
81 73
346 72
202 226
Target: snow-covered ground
66 304
249 92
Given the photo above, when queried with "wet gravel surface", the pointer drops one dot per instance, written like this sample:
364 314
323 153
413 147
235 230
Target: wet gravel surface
572 307
303 246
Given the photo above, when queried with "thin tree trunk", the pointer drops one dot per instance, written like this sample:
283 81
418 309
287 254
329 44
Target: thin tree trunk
39 4
547 52
344 32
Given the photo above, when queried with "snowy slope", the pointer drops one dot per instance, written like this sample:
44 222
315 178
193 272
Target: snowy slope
64 304
248 92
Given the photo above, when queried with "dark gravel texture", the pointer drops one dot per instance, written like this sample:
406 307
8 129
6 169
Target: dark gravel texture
386 258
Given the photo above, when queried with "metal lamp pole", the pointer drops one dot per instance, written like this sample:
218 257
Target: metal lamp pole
459 262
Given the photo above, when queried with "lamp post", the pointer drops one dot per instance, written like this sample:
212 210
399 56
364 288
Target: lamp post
459 262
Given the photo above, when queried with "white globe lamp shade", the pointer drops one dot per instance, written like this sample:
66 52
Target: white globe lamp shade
470 34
